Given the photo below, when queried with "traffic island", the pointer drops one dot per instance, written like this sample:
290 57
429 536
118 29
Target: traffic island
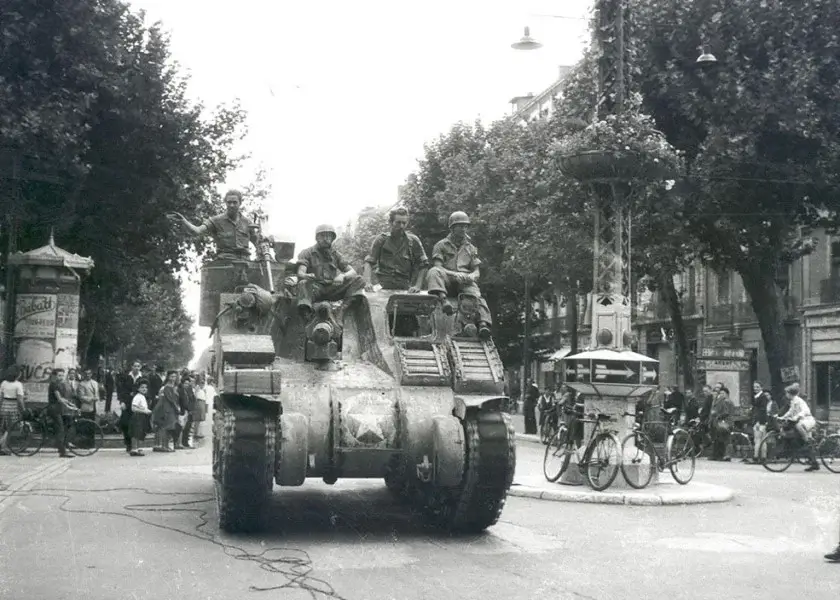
660 494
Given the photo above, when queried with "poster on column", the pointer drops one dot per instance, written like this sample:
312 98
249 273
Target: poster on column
67 311
35 360
66 342
35 316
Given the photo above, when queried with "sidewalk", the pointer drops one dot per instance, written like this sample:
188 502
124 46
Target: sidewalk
519 425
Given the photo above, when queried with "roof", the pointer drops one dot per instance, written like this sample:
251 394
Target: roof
51 255
547 93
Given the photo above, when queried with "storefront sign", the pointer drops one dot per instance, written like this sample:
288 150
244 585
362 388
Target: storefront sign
823 321
790 374
35 316
717 364
720 352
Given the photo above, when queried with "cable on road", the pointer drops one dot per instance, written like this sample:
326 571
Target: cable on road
294 564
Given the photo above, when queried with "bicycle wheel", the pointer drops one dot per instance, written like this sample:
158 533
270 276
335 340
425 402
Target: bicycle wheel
775 454
680 456
741 445
829 452
546 432
25 437
84 437
557 455
602 461
638 460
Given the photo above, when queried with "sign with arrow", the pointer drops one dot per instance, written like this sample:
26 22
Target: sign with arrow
613 371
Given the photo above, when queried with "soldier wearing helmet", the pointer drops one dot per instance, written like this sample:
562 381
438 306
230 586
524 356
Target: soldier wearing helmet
231 230
456 269
324 274
397 258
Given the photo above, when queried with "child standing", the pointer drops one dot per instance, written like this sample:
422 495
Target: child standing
139 410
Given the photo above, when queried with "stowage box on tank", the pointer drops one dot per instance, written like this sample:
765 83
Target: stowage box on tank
382 388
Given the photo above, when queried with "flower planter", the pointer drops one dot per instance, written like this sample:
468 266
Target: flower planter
608 166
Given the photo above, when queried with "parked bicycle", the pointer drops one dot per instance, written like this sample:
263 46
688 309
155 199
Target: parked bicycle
740 442
599 460
783 445
549 426
640 458
699 436
28 435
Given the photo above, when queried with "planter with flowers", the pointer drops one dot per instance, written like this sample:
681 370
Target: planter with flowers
618 148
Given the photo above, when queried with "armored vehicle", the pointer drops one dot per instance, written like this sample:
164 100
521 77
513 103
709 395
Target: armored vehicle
388 386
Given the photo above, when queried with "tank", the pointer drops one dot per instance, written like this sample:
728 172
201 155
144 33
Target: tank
389 387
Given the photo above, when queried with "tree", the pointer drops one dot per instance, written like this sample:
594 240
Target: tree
354 241
92 91
760 133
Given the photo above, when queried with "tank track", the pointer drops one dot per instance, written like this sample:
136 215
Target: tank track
488 474
244 465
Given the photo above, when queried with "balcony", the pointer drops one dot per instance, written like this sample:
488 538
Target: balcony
722 314
658 311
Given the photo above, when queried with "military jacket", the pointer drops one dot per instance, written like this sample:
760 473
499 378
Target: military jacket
462 259
231 236
324 264
400 259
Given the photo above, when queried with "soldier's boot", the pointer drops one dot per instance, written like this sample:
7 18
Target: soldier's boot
484 332
447 308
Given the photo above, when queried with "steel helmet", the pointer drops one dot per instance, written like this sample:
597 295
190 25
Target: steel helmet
458 216
325 228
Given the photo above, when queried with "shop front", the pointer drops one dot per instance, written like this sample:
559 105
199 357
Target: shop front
821 349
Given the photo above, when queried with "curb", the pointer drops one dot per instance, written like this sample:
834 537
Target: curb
706 494
529 437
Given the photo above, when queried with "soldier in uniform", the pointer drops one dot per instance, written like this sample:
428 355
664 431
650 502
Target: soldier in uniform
231 230
324 274
456 269
397 258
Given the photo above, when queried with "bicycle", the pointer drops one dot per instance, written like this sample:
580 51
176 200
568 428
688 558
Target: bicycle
28 434
595 463
549 426
679 449
700 437
783 445
741 443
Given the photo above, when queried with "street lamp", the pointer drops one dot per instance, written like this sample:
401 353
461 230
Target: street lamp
526 42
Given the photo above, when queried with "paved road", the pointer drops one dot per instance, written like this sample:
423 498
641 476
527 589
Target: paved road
70 538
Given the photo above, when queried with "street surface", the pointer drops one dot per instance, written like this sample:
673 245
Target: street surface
109 527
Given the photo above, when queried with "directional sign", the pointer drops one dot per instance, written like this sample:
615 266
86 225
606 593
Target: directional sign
650 374
578 371
613 371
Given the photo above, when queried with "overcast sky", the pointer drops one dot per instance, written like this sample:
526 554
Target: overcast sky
341 96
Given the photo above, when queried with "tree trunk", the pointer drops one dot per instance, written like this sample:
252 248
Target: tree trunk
764 296
669 295
572 303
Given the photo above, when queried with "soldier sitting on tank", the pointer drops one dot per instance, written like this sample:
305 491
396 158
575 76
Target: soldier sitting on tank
231 230
324 275
456 270
397 259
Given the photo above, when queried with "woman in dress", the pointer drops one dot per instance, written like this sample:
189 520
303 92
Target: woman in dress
11 406
165 414
139 419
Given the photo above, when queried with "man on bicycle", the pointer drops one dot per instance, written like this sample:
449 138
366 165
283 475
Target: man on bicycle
799 415
546 406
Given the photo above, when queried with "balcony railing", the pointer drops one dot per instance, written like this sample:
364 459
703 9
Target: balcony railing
722 314
658 310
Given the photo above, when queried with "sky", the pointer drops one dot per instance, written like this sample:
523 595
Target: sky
342 96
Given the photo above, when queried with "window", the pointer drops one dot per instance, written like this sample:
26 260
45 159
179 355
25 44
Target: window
724 288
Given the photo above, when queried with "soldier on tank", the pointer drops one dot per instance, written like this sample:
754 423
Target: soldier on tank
324 275
397 258
231 230
456 270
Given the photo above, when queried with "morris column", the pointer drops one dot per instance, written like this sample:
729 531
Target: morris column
46 322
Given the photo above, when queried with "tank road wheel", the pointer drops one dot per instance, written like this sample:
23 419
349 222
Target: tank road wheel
477 502
245 472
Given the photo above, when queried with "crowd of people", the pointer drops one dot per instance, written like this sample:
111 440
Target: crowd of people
173 405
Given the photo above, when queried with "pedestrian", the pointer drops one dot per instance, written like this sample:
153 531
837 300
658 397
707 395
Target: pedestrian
529 407
186 400
126 388
546 407
834 555
155 383
87 392
139 418
110 386
720 420
59 410
674 399
165 414
204 396
762 407
12 405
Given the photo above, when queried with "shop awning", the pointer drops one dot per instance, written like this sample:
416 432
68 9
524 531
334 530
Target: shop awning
558 354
